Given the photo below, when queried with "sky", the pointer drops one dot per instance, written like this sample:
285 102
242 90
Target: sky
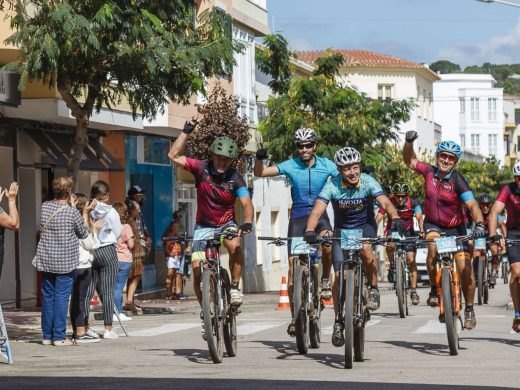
466 32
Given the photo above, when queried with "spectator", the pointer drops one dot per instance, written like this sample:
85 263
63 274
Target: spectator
9 220
136 194
83 275
57 258
125 243
173 253
138 253
104 264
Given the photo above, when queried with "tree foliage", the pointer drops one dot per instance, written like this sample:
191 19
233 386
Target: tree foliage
99 53
444 66
337 112
220 116
274 60
487 177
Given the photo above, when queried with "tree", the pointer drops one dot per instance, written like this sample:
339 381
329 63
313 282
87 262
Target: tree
98 53
444 66
487 177
337 112
220 116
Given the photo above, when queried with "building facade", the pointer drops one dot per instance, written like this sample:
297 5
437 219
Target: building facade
511 129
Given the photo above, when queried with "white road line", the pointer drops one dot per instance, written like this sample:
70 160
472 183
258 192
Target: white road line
164 329
248 329
432 326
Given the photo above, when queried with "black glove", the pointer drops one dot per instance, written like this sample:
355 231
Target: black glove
496 238
480 230
189 126
246 228
261 154
398 226
311 237
411 136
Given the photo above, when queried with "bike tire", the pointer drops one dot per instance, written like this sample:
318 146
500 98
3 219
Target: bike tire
315 322
349 317
300 300
479 263
485 283
399 287
449 315
359 329
230 321
213 321
505 272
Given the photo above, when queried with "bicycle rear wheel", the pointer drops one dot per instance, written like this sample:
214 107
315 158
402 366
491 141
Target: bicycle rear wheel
505 272
315 321
300 299
230 320
349 317
479 268
213 320
449 315
399 286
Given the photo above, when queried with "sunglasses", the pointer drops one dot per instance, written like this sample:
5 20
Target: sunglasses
305 146
447 156
401 196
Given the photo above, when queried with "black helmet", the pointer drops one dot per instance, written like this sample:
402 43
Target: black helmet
485 198
401 188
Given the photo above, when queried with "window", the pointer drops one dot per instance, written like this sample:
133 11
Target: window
463 141
385 91
492 144
517 117
492 110
462 105
475 143
475 110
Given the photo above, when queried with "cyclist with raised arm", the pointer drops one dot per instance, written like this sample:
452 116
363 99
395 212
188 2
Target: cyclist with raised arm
407 207
509 198
352 194
307 173
485 203
445 193
218 188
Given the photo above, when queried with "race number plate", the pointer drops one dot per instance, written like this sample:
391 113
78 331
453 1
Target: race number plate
480 243
396 236
350 239
299 246
203 234
446 244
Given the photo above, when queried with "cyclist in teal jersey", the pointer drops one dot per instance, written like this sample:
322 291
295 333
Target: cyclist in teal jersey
307 173
352 194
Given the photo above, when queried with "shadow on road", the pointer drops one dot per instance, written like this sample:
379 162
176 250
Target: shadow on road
427 348
199 356
511 342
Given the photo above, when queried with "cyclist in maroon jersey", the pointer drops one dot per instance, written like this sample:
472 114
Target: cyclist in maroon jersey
445 193
218 188
509 199
407 207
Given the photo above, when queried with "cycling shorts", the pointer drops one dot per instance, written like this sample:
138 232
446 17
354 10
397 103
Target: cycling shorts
199 246
513 252
338 254
409 233
449 232
297 227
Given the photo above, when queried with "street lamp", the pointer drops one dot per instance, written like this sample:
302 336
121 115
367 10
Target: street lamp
501 2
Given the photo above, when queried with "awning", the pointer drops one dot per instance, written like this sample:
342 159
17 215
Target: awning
104 155
89 161
48 147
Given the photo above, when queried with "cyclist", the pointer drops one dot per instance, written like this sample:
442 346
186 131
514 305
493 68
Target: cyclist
218 188
307 173
446 191
406 207
485 203
509 198
352 194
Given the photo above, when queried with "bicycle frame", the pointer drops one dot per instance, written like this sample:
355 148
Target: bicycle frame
352 261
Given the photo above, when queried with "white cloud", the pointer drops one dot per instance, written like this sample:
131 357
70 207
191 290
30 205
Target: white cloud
300 44
501 49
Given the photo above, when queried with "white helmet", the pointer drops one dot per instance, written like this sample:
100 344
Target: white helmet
305 134
516 169
347 155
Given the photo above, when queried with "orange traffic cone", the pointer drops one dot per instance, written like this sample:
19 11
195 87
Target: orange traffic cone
327 302
283 302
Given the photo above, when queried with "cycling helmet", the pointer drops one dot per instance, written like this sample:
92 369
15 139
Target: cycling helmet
305 135
347 155
516 169
485 198
450 147
224 146
401 188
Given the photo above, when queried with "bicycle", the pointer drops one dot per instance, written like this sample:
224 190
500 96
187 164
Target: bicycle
481 269
219 316
306 292
505 269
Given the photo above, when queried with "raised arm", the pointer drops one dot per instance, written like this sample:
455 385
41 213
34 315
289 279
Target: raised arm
175 153
409 156
261 170
10 220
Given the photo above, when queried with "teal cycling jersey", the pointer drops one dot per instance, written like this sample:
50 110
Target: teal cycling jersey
353 207
306 182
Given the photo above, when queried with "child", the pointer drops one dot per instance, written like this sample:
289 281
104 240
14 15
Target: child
125 243
172 254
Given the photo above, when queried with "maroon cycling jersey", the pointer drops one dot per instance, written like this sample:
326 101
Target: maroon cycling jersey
510 196
216 194
405 212
445 198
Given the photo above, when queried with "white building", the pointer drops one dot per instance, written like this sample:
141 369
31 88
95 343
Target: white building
383 76
469 107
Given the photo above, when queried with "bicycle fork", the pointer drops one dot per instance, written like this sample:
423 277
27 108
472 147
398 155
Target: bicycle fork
455 288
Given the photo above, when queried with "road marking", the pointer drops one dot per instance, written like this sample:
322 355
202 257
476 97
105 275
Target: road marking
164 329
432 326
327 330
248 329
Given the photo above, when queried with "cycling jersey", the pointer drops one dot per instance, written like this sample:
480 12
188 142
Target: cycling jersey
405 212
486 220
510 196
306 182
353 207
216 194
444 197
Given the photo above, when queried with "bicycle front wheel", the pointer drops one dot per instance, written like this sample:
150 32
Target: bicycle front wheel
359 326
213 319
230 320
399 286
349 317
300 299
505 271
449 314
315 321
479 266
